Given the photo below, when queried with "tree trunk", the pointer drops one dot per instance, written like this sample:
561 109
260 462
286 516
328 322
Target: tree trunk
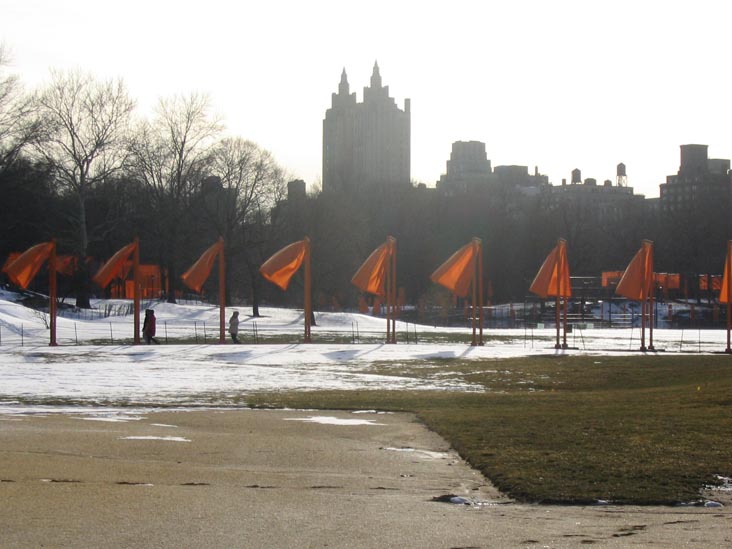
255 294
83 284
170 297
83 279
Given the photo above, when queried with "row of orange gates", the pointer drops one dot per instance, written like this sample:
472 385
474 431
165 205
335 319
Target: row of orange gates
462 274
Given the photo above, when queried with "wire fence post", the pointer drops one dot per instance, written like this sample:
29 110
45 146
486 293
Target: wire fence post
111 335
22 336
195 330
76 334
204 331
165 325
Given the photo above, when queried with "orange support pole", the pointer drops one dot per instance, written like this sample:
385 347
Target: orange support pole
136 294
643 310
727 269
222 293
477 288
308 308
474 266
394 292
387 289
480 294
650 317
391 292
53 293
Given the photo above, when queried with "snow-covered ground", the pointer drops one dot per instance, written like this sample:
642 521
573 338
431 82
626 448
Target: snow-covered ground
101 370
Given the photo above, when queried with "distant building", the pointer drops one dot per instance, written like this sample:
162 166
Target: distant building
296 190
700 180
366 144
604 202
469 171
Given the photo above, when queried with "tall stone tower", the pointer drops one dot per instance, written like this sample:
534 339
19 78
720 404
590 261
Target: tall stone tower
366 145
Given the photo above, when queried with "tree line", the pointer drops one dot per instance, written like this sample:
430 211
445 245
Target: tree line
78 165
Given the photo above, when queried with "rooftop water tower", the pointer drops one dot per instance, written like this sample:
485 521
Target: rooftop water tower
622 177
576 176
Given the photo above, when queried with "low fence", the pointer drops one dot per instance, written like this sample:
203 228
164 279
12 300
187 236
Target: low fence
88 326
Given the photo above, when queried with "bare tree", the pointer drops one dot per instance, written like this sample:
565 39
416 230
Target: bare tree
252 183
18 121
83 138
170 155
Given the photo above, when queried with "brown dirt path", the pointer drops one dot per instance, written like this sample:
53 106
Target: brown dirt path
256 478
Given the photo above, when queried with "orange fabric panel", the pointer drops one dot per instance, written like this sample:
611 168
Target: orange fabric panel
703 282
637 280
11 257
66 264
457 272
716 282
669 281
547 282
281 267
150 282
26 266
611 277
114 266
725 291
371 275
199 272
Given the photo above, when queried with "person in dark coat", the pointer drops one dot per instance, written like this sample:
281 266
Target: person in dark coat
234 326
148 327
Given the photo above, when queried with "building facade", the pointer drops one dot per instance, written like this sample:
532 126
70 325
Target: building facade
606 202
367 144
469 171
701 181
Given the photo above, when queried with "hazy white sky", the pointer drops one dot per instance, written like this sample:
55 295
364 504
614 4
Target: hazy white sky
556 84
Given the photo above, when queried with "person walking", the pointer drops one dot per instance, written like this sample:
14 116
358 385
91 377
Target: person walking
148 327
234 326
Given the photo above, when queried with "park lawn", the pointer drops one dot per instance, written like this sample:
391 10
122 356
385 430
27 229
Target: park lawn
635 429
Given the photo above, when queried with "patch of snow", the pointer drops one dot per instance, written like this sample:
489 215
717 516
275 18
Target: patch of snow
169 439
108 419
421 453
222 375
330 420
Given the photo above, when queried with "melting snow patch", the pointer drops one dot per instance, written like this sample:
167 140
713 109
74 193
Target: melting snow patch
725 484
163 425
109 419
422 453
330 420
170 439
455 500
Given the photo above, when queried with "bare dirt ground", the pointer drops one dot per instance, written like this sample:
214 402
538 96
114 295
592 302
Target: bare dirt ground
262 479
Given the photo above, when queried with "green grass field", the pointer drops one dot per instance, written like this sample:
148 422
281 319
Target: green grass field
643 430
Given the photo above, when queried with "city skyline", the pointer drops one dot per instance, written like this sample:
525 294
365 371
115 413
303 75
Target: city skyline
561 86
